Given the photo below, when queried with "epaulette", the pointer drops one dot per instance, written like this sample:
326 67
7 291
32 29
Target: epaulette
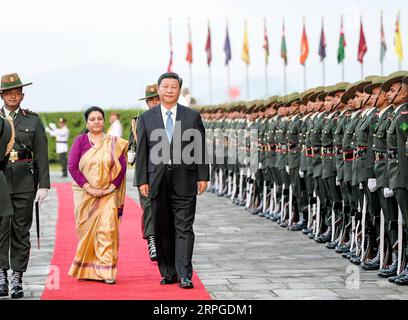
26 111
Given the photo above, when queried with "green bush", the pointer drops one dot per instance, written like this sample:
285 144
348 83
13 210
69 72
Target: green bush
76 124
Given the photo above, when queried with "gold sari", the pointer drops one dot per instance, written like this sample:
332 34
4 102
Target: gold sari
97 219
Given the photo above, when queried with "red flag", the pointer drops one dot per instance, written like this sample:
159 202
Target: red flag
208 46
170 66
189 56
304 47
266 43
362 45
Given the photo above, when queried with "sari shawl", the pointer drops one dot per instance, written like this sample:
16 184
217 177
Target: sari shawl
97 219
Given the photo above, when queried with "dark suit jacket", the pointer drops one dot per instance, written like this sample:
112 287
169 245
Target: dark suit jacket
186 173
6 208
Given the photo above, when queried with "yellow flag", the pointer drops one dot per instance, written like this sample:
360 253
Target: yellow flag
245 48
398 40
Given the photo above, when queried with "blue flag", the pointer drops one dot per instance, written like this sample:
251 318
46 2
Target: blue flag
322 45
227 48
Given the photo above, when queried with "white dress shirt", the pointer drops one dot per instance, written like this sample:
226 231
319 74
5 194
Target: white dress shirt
115 129
7 112
61 135
164 115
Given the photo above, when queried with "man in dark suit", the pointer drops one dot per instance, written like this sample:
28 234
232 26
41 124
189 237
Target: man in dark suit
171 169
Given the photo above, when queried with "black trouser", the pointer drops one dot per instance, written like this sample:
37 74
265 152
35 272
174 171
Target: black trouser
174 217
373 213
63 162
297 190
147 218
401 194
325 205
334 196
15 233
389 207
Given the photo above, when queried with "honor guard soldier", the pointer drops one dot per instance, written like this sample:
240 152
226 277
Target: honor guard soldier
152 100
26 171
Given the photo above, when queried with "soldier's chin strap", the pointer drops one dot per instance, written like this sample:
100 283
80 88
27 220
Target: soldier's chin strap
396 95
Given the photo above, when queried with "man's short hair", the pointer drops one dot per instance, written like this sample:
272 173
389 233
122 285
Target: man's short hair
170 75
115 114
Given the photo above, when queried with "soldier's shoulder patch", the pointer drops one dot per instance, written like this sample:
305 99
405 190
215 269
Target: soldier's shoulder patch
26 111
404 126
404 112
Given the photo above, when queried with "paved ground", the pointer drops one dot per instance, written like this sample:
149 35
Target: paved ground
240 256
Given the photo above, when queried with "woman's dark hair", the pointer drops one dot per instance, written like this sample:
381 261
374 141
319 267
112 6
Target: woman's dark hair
92 109
170 75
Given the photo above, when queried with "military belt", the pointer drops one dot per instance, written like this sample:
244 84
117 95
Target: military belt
338 150
316 150
16 156
327 152
380 156
309 152
348 155
392 154
361 152
293 146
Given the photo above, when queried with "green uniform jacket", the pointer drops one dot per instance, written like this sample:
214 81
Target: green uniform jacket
380 148
29 132
397 135
328 160
347 145
6 207
338 142
293 135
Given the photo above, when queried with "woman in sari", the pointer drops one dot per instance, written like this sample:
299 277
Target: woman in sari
97 163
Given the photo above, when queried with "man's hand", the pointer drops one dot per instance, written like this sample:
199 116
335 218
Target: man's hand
202 186
41 195
144 190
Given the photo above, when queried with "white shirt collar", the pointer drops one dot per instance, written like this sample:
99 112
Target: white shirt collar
164 115
399 107
7 112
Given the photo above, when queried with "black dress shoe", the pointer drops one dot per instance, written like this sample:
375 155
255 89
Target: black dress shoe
17 285
169 280
4 284
186 283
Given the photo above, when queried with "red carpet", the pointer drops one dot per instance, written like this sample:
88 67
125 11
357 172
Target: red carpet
138 278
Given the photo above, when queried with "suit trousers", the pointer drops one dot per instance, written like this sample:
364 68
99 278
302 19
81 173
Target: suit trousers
15 233
147 218
173 221
64 162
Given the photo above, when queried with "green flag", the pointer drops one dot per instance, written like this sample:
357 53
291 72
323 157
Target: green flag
342 43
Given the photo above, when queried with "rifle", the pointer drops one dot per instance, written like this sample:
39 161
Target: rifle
400 240
382 238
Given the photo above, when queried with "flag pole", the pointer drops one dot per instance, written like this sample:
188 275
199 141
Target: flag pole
304 65
323 63
247 81
210 83
382 60
228 81
399 30
342 71
190 64
266 65
284 66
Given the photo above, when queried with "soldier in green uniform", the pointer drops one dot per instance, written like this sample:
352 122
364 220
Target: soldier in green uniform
322 232
380 181
308 152
26 171
329 171
152 99
304 179
397 135
345 109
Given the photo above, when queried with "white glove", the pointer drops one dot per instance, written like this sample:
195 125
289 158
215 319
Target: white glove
338 181
52 126
360 186
388 193
372 184
301 173
41 195
131 156
287 169
260 165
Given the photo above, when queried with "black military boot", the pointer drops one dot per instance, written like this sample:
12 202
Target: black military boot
151 246
325 237
4 284
373 264
17 285
391 270
402 279
342 248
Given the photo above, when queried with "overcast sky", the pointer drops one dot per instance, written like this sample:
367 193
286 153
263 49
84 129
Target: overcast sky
99 52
